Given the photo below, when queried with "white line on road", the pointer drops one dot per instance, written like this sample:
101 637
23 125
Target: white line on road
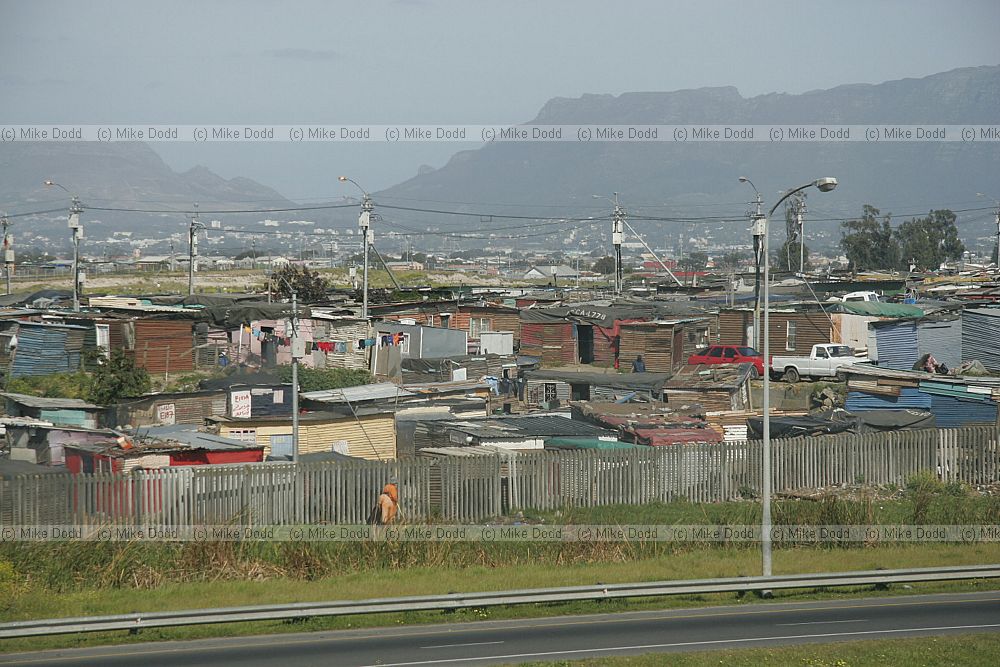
646 647
467 644
853 620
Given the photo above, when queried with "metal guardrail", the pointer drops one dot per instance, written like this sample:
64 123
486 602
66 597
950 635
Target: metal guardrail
137 621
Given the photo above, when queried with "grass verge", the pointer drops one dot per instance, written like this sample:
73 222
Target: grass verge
974 649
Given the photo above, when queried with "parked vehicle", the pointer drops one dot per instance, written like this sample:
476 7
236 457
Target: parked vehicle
823 361
858 296
730 354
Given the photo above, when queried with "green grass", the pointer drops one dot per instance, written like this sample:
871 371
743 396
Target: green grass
965 650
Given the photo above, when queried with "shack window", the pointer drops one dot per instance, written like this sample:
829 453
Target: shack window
281 445
477 325
243 434
790 336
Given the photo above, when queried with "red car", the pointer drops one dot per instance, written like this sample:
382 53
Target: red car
730 354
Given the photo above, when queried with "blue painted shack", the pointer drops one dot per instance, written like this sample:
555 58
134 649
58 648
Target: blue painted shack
58 411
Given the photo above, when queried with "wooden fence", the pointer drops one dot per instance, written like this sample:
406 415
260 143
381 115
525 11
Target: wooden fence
468 489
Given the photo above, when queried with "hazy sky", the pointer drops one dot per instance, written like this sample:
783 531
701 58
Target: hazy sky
427 61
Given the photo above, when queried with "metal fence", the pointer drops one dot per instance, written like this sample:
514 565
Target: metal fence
470 489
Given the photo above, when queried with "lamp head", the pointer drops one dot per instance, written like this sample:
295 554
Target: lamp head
825 184
342 179
50 182
743 179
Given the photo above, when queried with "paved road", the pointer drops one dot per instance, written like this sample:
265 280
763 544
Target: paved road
486 643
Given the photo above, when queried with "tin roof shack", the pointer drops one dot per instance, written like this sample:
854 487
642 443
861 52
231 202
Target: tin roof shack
37 348
954 400
165 409
714 387
517 433
471 317
367 432
551 386
467 366
652 424
161 346
61 411
148 453
665 345
336 338
45 443
792 329
422 342
850 319
204 448
582 333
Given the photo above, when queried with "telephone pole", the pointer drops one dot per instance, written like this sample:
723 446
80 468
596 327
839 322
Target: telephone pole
617 236
75 209
193 248
758 229
8 252
799 209
364 224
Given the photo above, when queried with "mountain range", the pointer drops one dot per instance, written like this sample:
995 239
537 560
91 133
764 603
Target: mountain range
552 180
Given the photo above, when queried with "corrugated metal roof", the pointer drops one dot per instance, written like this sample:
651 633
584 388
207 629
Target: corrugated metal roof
187 435
950 411
909 398
981 336
365 392
50 403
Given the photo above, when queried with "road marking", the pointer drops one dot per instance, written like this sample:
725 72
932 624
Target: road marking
513 624
645 647
457 645
853 620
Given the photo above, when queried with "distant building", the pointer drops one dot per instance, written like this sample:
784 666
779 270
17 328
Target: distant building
547 272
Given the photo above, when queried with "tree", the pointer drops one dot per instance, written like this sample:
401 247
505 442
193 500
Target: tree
788 255
732 260
117 378
870 243
605 266
694 261
309 286
930 241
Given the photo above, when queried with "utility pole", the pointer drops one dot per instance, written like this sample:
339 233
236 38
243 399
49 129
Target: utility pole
758 228
8 252
74 224
998 241
193 248
364 224
617 236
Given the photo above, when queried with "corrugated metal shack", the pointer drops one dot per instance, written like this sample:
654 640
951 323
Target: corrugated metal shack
171 408
367 432
471 317
893 344
981 336
954 400
61 411
43 349
714 387
792 329
665 345
553 386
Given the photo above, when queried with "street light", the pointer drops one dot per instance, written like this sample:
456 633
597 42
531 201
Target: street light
758 229
823 185
75 210
364 223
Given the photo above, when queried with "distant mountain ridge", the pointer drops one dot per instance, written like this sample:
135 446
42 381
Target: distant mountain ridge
897 176
119 175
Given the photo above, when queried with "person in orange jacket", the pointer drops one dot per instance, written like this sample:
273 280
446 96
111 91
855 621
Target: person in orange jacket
387 506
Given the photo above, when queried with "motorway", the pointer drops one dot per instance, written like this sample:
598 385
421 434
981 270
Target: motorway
568 637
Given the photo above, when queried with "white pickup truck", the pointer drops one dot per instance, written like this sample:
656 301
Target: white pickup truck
823 361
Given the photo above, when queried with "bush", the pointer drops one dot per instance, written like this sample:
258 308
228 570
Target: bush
56 385
320 379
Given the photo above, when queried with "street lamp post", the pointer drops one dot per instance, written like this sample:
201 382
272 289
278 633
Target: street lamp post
758 228
364 223
75 209
823 185
617 236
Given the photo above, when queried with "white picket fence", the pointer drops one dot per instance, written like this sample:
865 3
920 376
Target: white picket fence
469 489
